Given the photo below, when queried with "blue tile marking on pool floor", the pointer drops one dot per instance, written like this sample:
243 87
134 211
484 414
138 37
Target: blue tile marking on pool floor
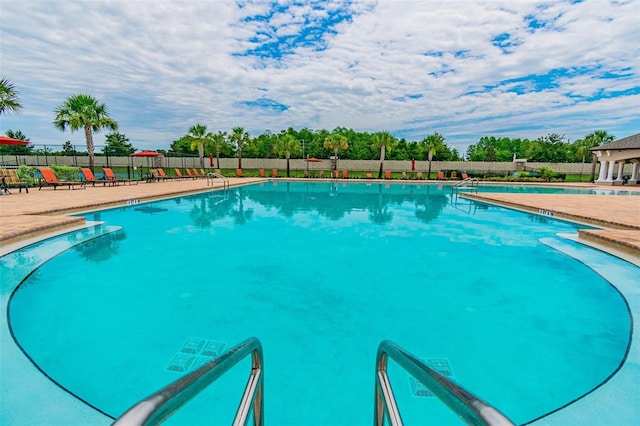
441 365
194 353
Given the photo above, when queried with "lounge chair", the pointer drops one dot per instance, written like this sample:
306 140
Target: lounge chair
165 176
89 177
321 174
49 178
10 179
441 176
465 176
111 177
345 174
179 174
198 175
369 176
387 174
335 174
261 172
404 175
191 175
239 172
419 175
274 172
454 175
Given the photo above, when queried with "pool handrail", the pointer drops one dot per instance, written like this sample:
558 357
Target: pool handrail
467 406
212 175
162 404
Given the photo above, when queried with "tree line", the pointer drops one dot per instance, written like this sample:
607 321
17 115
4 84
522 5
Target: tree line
85 113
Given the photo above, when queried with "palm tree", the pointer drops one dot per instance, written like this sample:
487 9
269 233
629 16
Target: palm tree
594 139
384 142
429 146
239 137
84 112
198 137
8 97
336 141
287 144
217 144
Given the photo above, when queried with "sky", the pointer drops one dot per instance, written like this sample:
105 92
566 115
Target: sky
462 68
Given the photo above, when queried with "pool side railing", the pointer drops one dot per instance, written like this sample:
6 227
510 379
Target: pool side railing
159 406
467 406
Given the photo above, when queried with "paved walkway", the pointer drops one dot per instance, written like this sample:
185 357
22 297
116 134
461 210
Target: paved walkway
24 217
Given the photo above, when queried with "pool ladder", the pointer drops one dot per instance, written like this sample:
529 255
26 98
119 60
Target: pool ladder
213 175
468 184
162 404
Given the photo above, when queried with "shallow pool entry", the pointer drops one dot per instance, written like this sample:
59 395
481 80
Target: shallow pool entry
321 273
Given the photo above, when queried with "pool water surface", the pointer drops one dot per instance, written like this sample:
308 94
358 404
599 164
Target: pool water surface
322 272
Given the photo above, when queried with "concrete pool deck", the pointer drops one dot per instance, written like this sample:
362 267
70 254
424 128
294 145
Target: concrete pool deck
26 218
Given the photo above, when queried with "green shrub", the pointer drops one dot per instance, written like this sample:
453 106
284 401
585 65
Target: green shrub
68 173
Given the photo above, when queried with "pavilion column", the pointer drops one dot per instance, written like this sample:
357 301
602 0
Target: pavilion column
634 171
610 171
603 168
620 171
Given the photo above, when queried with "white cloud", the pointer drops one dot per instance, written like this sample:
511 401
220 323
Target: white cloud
410 67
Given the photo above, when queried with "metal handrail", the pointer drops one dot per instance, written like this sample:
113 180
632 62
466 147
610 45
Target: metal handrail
467 406
212 175
159 406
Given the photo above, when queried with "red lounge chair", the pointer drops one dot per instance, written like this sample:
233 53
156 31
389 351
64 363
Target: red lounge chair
441 176
89 177
197 175
335 174
239 172
179 174
369 176
49 178
189 173
274 172
387 174
345 174
261 171
465 176
111 177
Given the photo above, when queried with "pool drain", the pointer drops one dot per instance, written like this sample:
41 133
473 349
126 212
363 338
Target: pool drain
194 353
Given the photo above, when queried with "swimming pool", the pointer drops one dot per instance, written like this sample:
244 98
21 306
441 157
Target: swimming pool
321 273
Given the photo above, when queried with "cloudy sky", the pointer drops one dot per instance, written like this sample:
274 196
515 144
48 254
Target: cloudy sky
464 69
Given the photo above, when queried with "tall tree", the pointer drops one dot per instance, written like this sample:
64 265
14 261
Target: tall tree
8 97
118 144
429 146
239 137
217 144
199 137
336 141
84 112
16 149
384 142
287 145
596 138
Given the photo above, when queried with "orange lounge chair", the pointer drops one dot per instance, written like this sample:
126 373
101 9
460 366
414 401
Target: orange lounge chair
465 176
261 171
89 177
441 176
111 177
274 172
345 174
335 174
369 176
239 172
198 175
189 174
49 178
179 174
165 176
387 174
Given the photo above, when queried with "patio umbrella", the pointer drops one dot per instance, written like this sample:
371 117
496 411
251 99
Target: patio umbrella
312 160
147 154
4 140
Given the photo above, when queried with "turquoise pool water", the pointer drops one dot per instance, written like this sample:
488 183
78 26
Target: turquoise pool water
321 273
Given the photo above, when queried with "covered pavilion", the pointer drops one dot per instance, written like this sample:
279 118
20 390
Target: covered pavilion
620 152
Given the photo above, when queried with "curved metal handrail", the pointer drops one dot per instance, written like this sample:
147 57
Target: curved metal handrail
212 175
162 404
466 405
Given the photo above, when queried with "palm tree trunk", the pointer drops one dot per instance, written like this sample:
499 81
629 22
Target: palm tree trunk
240 157
90 147
429 172
201 153
288 156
